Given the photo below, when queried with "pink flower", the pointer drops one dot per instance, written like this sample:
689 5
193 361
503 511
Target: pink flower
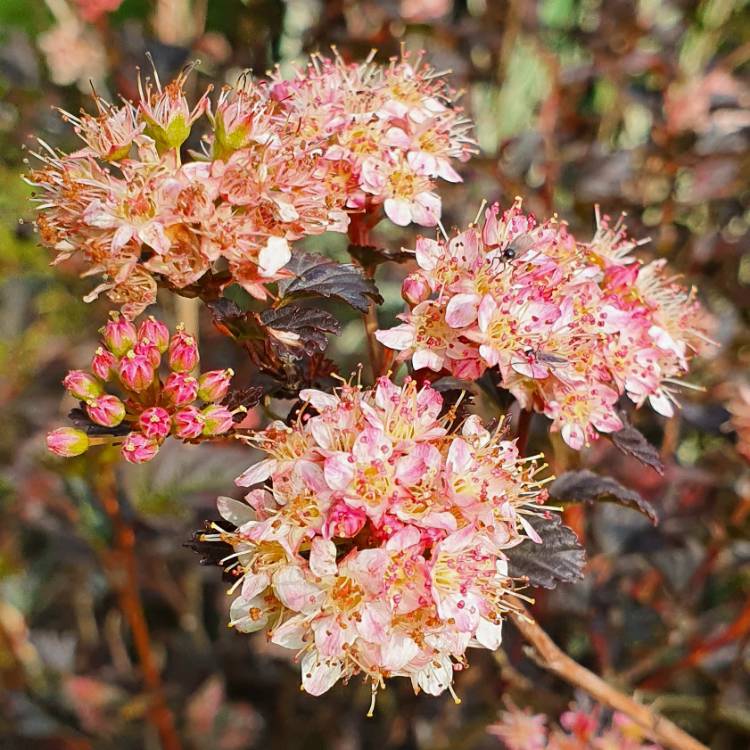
138 449
569 326
67 442
106 410
119 335
217 420
213 385
82 385
188 423
180 388
155 422
183 353
136 371
167 112
103 364
373 538
145 348
415 289
155 333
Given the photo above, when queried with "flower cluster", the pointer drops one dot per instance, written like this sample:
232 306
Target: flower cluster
390 131
376 544
570 326
283 160
580 729
149 409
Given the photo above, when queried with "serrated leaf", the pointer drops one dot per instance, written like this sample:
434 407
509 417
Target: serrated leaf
558 559
318 276
311 325
234 322
631 442
371 256
586 487
247 397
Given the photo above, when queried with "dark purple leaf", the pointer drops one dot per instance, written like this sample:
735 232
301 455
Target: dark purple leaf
586 487
631 442
311 325
559 559
318 276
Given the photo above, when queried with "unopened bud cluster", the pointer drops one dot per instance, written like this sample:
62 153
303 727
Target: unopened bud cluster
153 407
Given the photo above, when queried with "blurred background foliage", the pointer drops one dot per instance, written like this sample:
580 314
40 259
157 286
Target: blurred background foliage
640 106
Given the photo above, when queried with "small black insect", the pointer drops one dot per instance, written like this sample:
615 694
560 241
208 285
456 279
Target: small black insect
509 253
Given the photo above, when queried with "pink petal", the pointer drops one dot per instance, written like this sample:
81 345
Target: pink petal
274 256
398 211
338 471
461 311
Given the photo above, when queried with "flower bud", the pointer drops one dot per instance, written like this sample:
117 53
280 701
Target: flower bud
136 372
107 410
415 289
149 351
345 521
82 385
217 420
213 385
155 332
67 442
188 423
155 422
137 448
183 353
180 388
103 364
119 335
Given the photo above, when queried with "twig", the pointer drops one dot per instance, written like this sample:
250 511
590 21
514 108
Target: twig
524 424
359 234
659 728
124 574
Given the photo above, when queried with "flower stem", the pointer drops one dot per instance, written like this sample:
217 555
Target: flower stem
522 434
556 661
121 563
359 234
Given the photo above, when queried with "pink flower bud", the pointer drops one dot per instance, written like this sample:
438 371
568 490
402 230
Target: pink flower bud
107 410
119 335
137 448
415 289
155 422
344 520
149 351
103 364
82 385
183 353
155 332
67 442
188 423
217 420
136 372
213 385
180 388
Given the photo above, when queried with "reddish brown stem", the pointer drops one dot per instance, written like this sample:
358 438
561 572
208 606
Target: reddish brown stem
737 630
522 434
359 234
659 728
121 563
